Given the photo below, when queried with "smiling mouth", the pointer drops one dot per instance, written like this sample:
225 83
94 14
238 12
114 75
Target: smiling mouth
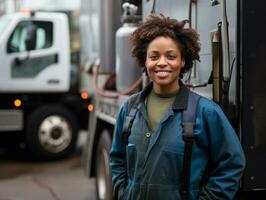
161 73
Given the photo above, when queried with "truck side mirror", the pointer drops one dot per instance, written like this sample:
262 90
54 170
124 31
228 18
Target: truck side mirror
30 41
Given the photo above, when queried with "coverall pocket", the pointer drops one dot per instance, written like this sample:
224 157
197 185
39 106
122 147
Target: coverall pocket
169 167
161 192
131 159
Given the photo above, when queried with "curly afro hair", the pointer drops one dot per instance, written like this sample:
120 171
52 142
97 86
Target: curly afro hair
187 39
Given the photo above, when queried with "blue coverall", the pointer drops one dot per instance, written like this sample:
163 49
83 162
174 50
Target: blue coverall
150 166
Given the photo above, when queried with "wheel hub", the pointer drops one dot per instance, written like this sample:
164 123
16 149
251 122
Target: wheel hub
55 133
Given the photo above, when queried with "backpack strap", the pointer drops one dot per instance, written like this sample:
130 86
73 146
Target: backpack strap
188 122
131 111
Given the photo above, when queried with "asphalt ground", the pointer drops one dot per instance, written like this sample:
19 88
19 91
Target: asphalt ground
24 179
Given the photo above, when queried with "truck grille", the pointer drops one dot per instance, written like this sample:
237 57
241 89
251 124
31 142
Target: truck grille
11 120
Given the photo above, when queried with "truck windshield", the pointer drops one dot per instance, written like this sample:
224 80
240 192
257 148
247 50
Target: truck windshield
3 23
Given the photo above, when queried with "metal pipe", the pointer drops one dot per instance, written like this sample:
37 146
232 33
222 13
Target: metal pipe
225 43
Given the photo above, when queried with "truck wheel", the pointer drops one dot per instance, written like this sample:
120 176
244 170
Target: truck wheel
51 132
103 172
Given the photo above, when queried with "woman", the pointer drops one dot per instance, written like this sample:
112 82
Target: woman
150 165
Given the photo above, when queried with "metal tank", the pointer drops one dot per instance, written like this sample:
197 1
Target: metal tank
110 13
127 69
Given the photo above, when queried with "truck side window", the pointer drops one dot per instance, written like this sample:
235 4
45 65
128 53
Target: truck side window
16 42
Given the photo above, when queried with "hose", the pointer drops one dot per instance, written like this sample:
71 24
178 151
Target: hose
112 94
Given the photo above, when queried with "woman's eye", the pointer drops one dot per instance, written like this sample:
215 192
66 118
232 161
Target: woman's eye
153 57
171 57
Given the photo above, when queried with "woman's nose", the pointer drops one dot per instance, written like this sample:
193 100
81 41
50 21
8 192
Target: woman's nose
162 61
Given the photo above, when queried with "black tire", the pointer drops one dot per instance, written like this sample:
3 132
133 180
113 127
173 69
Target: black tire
51 132
103 172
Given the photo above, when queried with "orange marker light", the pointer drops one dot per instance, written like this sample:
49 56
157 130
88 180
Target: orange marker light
84 95
90 107
17 103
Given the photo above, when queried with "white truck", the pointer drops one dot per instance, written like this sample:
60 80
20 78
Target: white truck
231 72
39 84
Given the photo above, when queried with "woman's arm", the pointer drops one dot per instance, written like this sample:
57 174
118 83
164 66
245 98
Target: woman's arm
226 156
118 157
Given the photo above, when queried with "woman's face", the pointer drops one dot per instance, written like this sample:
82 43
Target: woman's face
163 63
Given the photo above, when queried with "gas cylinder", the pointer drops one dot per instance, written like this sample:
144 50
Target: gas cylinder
127 69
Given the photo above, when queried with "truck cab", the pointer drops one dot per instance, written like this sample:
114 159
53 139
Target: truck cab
34 53
39 85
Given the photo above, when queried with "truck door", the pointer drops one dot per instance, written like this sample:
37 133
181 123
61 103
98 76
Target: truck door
45 67
22 64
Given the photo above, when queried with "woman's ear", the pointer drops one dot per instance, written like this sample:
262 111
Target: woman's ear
145 63
183 63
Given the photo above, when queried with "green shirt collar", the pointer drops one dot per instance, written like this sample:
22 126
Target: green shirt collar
181 99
